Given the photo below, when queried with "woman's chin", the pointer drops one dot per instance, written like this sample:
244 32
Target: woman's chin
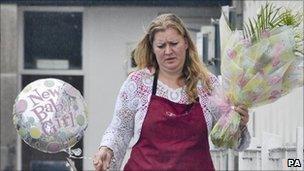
173 68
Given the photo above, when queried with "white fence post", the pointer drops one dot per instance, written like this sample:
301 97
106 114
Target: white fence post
250 159
270 141
219 158
300 147
272 154
231 159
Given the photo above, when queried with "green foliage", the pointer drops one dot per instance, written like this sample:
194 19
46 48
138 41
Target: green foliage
269 18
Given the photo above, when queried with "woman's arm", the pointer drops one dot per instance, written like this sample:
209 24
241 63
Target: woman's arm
120 131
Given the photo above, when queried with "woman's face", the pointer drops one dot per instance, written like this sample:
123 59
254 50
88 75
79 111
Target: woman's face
170 48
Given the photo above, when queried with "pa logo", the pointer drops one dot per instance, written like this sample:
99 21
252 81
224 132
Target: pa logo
293 163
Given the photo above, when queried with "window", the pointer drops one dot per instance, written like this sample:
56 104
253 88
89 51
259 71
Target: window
217 49
205 49
208 41
52 40
50 47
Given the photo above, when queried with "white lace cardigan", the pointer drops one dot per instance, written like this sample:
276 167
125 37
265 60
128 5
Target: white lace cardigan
131 108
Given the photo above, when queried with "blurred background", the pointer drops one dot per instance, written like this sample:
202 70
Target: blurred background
89 43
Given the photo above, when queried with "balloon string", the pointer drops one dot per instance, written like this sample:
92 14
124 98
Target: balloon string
71 164
75 154
80 157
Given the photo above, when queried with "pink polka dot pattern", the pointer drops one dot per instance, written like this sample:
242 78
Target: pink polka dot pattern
21 106
53 147
70 90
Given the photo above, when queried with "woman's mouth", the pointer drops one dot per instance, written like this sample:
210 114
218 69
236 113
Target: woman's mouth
170 59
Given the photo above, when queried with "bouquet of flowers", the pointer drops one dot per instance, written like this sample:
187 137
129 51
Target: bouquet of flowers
259 65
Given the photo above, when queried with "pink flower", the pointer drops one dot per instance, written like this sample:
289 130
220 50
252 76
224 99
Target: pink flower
274 95
225 108
277 53
265 33
221 122
275 61
242 81
246 42
231 53
275 79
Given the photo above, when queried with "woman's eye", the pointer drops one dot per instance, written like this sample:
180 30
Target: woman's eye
160 46
175 43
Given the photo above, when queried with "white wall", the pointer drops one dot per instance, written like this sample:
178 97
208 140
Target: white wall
106 32
281 117
286 114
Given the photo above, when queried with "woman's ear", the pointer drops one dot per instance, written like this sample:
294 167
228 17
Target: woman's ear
186 44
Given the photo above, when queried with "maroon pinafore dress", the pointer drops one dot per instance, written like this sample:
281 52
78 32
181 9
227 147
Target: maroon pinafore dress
174 137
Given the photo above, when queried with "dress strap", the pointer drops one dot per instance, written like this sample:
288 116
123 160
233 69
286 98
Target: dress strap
155 83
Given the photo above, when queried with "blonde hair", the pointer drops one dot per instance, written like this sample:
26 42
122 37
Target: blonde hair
193 70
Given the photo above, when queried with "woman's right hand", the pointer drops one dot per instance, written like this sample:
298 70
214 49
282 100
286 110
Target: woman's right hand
102 159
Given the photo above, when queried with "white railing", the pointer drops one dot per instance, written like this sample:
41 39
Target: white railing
270 155
250 159
219 158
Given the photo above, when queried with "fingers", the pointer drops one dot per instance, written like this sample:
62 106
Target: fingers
102 160
107 161
243 111
97 163
101 166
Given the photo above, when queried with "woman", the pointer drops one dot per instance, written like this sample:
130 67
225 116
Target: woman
164 106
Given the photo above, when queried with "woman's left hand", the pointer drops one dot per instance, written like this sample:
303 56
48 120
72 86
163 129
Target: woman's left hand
243 111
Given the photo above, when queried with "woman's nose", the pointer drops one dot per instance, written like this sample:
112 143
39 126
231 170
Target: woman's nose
168 50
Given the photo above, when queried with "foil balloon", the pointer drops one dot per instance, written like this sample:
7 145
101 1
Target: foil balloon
50 115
